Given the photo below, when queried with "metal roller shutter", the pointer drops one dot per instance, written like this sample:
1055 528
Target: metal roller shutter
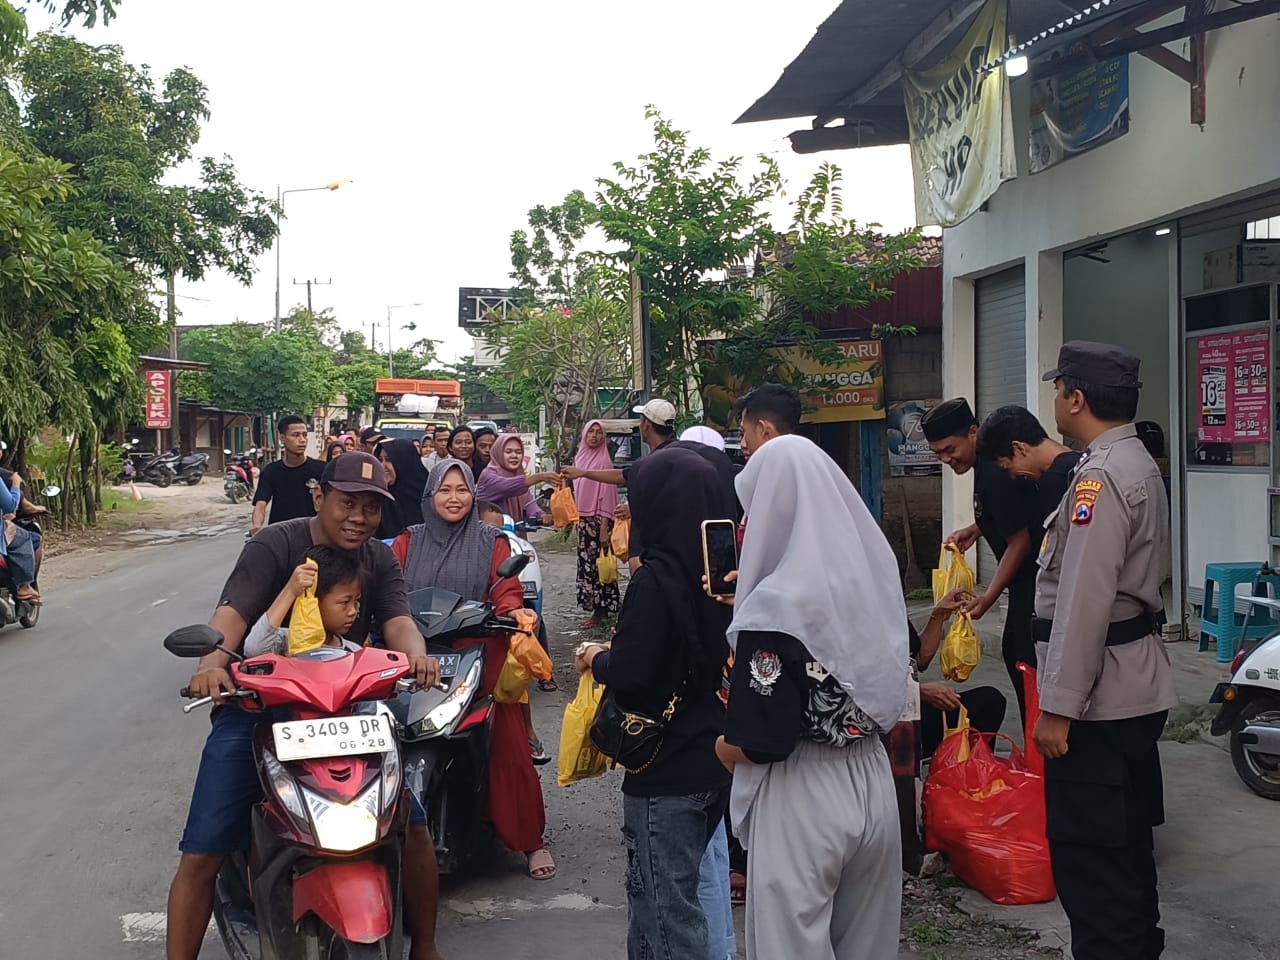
1001 357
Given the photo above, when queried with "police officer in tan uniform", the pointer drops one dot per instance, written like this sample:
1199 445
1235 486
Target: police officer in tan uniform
1106 685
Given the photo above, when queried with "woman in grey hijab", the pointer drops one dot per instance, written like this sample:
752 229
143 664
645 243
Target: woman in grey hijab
453 550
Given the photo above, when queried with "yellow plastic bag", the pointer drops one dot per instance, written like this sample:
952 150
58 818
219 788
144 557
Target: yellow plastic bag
606 566
579 760
513 682
306 628
952 572
564 509
961 727
620 540
961 649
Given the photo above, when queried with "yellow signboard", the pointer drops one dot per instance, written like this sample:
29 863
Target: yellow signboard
852 389
849 389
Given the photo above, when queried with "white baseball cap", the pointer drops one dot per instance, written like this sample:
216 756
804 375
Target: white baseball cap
661 412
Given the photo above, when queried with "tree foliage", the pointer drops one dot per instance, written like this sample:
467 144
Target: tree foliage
684 220
545 260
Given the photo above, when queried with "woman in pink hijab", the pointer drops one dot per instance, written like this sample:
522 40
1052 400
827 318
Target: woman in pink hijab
596 504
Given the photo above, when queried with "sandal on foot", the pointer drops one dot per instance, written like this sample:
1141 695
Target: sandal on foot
737 888
541 866
548 686
538 753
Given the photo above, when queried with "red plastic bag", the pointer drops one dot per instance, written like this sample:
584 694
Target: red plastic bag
1031 691
986 814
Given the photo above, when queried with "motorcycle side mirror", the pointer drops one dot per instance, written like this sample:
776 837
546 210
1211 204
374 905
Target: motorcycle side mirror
512 566
197 640
227 452
133 442
52 490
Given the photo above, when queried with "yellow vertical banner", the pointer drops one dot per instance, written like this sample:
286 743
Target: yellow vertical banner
961 123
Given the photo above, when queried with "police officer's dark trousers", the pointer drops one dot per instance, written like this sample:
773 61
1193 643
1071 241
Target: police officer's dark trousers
1102 799
1016 643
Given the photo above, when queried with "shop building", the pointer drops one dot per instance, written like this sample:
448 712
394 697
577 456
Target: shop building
1164 237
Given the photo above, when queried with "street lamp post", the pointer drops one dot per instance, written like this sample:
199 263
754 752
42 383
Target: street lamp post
391 370
280 195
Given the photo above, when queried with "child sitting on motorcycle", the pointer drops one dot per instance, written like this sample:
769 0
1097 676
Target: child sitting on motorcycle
337 577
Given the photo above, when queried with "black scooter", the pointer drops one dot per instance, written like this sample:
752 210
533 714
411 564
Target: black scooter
190 469
445 732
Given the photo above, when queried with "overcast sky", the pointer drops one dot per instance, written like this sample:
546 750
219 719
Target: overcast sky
452 120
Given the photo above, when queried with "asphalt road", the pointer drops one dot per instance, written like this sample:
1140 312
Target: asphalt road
99 760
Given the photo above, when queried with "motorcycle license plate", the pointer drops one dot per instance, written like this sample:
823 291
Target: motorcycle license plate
333 737
449 665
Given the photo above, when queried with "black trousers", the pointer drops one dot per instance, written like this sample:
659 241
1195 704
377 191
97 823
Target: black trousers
1102 800
1016 643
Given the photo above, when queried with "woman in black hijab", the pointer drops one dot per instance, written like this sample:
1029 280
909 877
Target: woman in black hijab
407 479
670 639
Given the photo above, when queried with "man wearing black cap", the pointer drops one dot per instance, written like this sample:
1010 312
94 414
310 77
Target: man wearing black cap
1106 685
1004 511
370 437
348 508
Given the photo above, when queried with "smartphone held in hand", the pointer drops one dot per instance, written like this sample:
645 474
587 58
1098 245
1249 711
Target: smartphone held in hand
719 555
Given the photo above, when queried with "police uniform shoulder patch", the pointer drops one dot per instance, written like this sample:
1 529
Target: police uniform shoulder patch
1086 495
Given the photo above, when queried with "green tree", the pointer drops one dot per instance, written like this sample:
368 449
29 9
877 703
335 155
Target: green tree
260 372
558 356
89 107
684 220
822 264
545 260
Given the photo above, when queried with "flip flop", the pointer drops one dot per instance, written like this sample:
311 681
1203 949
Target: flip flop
541 866
548 686
737 888
538 753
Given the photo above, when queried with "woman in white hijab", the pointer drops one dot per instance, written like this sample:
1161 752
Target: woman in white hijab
820 670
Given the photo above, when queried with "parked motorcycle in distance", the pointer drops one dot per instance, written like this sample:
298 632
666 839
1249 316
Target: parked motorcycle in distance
321 878
156 468
237 481
190 469
446 731
13 610
1250 710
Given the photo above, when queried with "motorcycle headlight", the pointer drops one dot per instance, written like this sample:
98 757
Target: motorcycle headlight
345 827
284 786
450 708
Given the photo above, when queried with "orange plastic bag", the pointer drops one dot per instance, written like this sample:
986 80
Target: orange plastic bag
986 813
620 540
526 648
564 509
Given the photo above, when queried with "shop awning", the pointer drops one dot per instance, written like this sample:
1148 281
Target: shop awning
851 69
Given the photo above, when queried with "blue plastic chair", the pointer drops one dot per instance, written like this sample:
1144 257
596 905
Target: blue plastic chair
1218 617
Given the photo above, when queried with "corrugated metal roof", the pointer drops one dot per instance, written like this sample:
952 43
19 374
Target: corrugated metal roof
862 37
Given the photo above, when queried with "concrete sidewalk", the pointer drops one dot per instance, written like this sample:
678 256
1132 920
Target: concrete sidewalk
1218 851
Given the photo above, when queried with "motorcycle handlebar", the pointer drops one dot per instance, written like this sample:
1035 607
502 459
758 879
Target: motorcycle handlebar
205 701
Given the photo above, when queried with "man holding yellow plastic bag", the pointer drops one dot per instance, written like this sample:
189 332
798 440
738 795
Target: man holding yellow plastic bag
1006 515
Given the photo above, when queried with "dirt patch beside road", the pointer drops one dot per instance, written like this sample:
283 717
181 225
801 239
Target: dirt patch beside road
161 515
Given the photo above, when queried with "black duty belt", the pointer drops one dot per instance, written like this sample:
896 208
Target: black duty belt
1118 633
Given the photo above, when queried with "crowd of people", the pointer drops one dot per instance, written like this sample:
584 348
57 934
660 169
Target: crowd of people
783 707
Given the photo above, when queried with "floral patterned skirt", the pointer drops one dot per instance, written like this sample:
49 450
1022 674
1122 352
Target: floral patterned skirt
592 595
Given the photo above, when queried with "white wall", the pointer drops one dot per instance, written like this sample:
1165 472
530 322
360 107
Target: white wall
1163 168
1126 302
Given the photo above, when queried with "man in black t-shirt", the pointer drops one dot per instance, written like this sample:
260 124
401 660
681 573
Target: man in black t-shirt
1006 516
1013 439
348 508
286 484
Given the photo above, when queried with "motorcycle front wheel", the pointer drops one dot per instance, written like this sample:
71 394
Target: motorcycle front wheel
1259 771
194 478
162 478
345 950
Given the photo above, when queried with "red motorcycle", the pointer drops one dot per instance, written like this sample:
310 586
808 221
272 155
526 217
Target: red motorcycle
237 481
322 875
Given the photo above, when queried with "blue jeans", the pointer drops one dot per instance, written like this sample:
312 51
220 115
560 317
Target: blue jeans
716 900
22 557
666 838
